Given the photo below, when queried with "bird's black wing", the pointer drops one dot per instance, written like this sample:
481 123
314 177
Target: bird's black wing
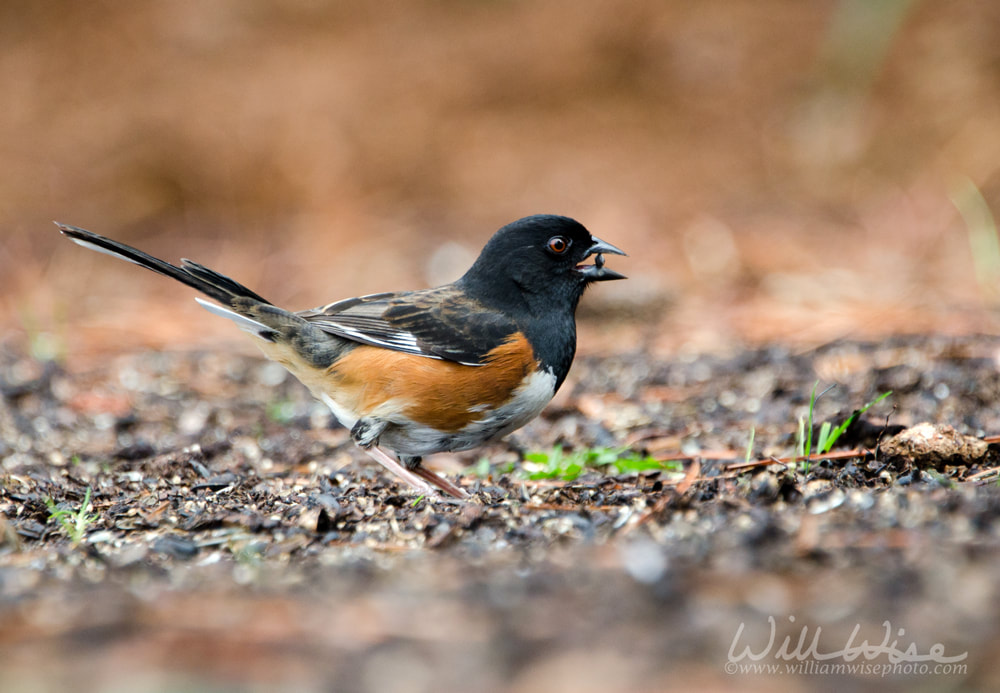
437 323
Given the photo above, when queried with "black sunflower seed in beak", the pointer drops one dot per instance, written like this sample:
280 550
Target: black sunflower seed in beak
598 272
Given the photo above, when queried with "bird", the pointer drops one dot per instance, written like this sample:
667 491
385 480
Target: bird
419 372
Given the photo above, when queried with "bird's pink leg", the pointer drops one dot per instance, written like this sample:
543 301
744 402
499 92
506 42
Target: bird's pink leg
399 470
439 481
420 478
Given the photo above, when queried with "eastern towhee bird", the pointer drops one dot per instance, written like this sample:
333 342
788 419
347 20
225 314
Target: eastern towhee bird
434 370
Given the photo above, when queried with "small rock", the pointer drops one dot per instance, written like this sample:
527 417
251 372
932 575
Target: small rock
931 445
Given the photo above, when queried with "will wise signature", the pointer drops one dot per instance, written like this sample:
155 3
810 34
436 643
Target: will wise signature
806 648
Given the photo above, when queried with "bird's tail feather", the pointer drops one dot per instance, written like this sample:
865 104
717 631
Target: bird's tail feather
209 282
285 336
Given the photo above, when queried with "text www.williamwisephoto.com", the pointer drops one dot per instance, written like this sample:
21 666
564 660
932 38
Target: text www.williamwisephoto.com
808 652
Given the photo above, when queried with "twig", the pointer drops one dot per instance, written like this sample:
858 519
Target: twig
841 455
703 455
983 475
572 507
743 466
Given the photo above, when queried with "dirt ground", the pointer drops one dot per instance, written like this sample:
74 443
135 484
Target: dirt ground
230 550
805 191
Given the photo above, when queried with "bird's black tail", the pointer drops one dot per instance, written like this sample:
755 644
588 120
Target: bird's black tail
209 282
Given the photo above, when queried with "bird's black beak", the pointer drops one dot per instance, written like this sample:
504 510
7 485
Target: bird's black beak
597 272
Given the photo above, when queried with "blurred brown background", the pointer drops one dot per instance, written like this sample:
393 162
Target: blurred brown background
778 170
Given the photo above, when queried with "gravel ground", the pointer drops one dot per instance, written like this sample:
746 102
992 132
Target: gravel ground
239 542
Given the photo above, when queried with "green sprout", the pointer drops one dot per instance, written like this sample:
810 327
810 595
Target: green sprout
804 435
828 438
828 435
73 524
567 466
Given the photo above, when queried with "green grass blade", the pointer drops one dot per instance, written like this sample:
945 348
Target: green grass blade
749 453
809 428
824 437
839 430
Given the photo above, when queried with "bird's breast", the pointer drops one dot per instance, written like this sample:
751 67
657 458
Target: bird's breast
487 422
439 394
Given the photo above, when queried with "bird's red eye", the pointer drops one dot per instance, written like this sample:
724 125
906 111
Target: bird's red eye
558 244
